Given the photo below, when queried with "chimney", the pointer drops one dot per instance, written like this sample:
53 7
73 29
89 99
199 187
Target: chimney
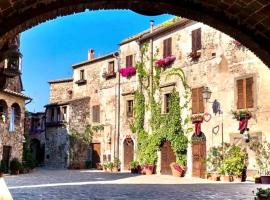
91 54
151 26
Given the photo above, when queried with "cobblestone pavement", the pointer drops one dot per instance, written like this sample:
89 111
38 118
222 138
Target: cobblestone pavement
88 184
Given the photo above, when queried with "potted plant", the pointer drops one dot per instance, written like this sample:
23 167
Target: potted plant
104 166
241 114
116 165
134 167
109 166
127 71
262 194
165 62
177 169
262 156
15 166
148 169
213 162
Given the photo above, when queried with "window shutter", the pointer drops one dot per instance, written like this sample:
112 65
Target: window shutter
96 113
164 48
129 60
167 47
194 101
240 94
111 67
196 40
200 95
249 93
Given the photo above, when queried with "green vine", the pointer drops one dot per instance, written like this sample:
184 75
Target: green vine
164 127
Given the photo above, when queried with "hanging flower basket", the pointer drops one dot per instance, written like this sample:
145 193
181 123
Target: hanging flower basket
241 115
165 62
128 71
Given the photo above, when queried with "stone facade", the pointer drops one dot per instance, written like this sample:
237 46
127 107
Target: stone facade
219 64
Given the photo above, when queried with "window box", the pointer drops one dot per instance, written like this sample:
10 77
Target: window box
242 114
107 75
194 55
128 71
197 118
81 82
165 62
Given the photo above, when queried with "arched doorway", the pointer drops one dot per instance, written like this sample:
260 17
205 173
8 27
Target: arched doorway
37 151
128 152
167 157
198 155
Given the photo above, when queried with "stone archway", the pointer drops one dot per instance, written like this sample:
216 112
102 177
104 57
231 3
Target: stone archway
246 21
198 155
128 152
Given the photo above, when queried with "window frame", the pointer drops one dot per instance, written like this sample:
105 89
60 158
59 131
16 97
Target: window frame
198 109
129 60
128 112
167 47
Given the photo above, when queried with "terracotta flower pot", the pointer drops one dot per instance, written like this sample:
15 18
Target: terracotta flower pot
148 169
225 178
1 174
115 169
237 179
15 172
215 177
265 179
177 170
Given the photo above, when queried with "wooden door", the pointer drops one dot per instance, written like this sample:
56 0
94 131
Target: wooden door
167 157
6 157
198 159
95 154
128 152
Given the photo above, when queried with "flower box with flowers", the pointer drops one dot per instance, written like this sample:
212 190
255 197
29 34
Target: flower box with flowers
128 71
242 114
197 118
195 55
165 62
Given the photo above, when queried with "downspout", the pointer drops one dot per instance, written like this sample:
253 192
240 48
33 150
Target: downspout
151 58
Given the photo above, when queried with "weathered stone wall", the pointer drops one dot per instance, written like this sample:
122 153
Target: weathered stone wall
13 139
60 91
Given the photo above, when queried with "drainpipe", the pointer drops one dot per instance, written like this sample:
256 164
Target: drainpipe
151 58
116 144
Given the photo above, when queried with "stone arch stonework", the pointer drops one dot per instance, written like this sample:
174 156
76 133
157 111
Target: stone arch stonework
246 21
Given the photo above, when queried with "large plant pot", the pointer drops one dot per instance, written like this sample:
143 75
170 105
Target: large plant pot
237 179
15 172
1 174
225 178
115 169
177 170
258 180
265 179
261 197
148 169
215 177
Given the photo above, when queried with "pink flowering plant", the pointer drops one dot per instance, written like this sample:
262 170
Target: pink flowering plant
128 71
165 62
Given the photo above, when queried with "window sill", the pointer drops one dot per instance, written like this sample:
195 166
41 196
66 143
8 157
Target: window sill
81 82
109 75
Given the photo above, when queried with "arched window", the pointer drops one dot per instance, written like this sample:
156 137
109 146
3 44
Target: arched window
3 111
15 116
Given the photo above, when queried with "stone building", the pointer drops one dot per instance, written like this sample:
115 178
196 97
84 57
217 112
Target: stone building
12 109
210 60
35 127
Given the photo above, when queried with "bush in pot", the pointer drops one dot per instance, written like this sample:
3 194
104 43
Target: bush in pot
213 162
15 166
262 154
110 166
116 165
177 169
134 167
262 194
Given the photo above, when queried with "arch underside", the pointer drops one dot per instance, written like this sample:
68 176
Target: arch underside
247 21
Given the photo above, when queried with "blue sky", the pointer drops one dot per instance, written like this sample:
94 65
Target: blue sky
51 48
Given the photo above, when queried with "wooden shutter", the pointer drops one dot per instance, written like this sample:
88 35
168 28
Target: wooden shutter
240 94
196 40
167 47
129 60
194 101
111 67
96 113
200 100
249 93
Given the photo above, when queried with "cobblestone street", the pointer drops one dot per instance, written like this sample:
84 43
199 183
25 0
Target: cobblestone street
87 184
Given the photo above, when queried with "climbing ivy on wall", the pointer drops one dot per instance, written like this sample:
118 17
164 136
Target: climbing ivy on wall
169 126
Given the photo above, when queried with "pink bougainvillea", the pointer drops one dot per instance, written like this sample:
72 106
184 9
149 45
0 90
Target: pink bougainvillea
165 62
128 71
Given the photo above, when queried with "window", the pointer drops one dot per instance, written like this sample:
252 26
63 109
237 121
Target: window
130 108
58 115
111 68
3 111
196 40
167 102
64 117
82 74
12 120
167 47
245 95
96 113
129 60
197 101
52 114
